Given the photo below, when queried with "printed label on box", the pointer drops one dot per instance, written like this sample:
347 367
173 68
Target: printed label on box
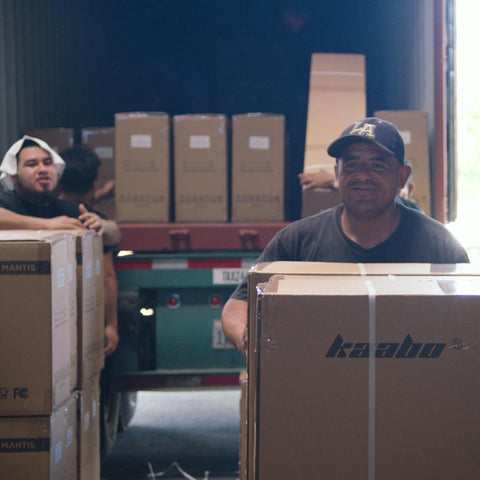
199 141
141 141
69 436
259 143
86 421
407 136
104 152
88 269
58 452
60 277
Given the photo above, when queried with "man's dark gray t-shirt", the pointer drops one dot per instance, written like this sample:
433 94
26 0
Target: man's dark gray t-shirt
319 238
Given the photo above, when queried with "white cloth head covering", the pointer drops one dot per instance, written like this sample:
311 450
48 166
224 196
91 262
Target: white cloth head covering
8 167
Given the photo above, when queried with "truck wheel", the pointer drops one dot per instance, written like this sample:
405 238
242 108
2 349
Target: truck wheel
109 416
127 409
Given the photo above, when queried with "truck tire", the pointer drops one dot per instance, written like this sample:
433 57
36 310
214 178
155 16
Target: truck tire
110 402
127 409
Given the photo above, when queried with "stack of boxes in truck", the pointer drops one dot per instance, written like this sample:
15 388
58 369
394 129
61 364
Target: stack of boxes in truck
43 419
195 173
200 168
258 166
362 370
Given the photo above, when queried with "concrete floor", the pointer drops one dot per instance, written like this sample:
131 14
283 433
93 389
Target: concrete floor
200 430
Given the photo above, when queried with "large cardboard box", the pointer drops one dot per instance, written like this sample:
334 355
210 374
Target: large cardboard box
314 200
142 167
36 312
58 138
260 273
413 126
200 168
258 166
337 98
40 448
89 253
242 454
101 140
368 378
89 430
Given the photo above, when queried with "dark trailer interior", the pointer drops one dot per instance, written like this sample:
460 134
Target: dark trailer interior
74 64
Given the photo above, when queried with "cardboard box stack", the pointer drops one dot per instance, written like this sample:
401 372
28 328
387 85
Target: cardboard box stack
89 430
101 140
52 351
40 447
142 167
340 397
200 168
58 138
337 98
90 326
413 126
258 165
90 306
37 348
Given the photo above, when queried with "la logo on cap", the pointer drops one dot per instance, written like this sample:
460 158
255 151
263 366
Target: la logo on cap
366 130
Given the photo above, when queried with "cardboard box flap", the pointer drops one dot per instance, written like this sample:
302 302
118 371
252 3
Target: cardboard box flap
391 285
339 268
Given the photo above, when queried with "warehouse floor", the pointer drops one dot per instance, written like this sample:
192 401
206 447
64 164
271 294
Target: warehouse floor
199 430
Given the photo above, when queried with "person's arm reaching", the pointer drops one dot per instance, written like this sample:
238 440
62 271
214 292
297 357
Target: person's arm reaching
14 221
110 296
234 323
107 228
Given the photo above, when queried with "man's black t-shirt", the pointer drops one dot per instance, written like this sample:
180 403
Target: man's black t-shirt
54 208
319 238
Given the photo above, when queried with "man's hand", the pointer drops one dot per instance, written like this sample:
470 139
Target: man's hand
111 339
322 178
62 223
90 220
106 191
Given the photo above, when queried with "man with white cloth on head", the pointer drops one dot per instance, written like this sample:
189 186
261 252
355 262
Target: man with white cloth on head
31 170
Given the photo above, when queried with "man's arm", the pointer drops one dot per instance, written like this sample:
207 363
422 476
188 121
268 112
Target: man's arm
110 298
107 228
234 323
14 221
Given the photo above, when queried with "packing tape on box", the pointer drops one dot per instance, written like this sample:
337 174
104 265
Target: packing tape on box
371 378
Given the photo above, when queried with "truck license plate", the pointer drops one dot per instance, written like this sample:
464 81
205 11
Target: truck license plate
228 276
219 341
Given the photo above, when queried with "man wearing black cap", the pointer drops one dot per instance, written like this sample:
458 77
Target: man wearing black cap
368 227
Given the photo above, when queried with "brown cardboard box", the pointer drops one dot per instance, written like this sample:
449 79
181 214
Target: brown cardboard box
406 409
242 454
336 99
43 448
258 164
89 305
89 431
262 272
200 166
58 138
36 348
102 141
414 129
142 167
314 200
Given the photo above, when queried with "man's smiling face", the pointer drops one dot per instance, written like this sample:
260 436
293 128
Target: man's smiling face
369 179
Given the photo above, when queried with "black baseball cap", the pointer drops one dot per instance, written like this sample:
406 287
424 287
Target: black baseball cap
381 133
